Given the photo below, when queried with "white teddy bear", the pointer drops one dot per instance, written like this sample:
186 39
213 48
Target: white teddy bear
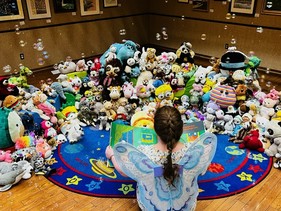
201 74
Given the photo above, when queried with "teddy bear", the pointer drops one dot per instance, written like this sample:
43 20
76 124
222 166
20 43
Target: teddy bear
111 54
108 109
273 132
267 108
5 156
252 141
241 93
81 65
201 74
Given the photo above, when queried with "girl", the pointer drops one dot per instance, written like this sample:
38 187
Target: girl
166 173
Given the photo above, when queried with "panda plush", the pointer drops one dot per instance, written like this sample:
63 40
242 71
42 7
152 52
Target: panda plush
273 132
185 54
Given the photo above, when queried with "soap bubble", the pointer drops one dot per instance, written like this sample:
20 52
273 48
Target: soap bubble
165 36
233 16
228 16
45 54
251 53
268 84
213 60
122 32
158 36
259 30
22 43
233 41
7 68
40 61
17 29
203 36
267 70
82 55
38 45
225 27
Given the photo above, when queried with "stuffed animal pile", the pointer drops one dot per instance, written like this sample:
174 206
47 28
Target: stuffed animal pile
127 84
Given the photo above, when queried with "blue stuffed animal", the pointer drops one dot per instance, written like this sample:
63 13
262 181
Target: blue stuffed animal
123 51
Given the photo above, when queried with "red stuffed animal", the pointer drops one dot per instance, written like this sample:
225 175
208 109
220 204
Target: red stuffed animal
252 142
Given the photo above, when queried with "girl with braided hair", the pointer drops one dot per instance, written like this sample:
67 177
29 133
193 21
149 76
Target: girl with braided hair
166 173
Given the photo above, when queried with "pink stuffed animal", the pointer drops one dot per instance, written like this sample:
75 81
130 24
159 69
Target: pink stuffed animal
49 131
5 156
43 148
128 89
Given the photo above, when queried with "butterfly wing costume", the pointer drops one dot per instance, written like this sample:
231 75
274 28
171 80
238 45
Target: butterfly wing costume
154 192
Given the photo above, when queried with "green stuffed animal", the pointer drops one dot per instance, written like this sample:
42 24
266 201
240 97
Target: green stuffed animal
11 127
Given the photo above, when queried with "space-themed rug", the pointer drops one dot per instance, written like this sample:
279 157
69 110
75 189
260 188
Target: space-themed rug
82 168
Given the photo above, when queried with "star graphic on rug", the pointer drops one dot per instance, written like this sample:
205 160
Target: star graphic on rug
126 188
200 190
51 161
93 185
259 157
73 181
60 171
245 177
255 168
222 186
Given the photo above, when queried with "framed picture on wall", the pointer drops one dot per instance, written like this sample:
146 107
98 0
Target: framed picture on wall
64 6
183 1
200 5
11 10
38 9
271 7
242 6
110 3
89 7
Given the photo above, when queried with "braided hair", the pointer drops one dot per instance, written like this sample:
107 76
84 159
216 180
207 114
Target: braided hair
169 127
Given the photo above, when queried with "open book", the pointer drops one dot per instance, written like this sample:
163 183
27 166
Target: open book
139 135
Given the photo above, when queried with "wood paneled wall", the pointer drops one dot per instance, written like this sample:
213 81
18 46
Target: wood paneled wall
70 34
185 24
73 34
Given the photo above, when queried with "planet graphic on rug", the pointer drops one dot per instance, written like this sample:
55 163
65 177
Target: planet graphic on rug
234 150
99 167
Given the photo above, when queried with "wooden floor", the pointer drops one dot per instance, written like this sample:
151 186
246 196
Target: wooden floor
38 193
